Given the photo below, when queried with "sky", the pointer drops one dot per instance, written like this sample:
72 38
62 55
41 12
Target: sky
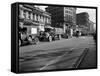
91 12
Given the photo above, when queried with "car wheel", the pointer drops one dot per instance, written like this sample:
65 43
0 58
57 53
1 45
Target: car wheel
36 40
30 39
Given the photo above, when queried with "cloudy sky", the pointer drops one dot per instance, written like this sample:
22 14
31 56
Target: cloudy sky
91 12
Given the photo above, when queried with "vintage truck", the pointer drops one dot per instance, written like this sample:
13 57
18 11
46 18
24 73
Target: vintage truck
50 34
58 33
28 35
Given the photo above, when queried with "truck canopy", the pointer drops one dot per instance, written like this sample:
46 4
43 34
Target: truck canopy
59 31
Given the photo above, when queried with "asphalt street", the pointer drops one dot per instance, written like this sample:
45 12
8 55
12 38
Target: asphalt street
90 60
60 54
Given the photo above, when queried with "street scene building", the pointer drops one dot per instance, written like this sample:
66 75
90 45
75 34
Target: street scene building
84 23
33 16
57 38
63 17
32 24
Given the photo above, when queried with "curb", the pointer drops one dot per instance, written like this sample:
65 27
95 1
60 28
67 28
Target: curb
78 62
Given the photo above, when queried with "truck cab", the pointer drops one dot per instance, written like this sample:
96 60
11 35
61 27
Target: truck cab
28 35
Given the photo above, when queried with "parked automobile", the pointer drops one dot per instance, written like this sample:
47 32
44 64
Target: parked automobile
27 37
45 36
65 35
50 34
77 33
58 33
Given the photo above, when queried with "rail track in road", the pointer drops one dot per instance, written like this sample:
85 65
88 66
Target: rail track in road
64 54
61 59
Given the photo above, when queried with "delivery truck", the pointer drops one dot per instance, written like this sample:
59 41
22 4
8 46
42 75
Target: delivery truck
50 34
28 35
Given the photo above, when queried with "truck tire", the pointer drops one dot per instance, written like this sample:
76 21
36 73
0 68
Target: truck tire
50 39
36 40
30 39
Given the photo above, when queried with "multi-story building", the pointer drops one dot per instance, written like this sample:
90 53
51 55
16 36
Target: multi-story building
34 16
63 17
82 19
84 23
92 27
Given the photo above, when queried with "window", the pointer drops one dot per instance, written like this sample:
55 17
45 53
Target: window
31 16
27 15
22 14
36 17
66 11
39 17
42 18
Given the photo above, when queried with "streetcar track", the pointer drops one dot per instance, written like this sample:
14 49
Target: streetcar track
54 61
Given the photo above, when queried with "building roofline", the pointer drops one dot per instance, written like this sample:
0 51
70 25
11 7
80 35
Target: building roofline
38 9
82 13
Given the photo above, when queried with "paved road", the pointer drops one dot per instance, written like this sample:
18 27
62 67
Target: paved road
89 60
62 54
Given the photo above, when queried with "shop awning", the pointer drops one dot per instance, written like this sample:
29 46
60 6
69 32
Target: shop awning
49 27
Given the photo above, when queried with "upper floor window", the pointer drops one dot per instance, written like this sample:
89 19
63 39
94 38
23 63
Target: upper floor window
27 15
36 17
22 14
31 16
